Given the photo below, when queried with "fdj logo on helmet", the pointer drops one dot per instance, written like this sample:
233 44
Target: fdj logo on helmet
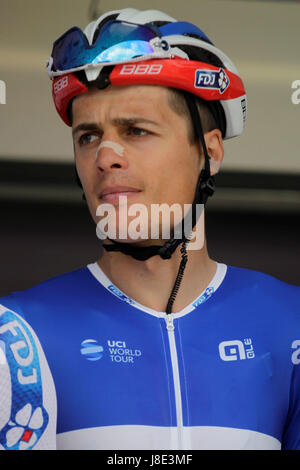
141 69
216 80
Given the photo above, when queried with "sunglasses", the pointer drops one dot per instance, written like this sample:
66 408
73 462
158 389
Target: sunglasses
117 42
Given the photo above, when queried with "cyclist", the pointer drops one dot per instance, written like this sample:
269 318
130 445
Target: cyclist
156 345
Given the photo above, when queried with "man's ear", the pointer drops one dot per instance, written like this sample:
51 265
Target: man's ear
215 149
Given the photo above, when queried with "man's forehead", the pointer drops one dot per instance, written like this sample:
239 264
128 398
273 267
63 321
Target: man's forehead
143 101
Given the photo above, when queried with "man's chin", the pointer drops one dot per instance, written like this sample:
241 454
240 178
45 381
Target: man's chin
141 242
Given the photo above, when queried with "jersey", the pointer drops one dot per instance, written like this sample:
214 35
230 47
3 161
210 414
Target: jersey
223 373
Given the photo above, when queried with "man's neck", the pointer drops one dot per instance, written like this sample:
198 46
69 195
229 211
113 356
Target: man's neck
151 282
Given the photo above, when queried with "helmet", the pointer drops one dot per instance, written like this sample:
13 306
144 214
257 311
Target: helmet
162 51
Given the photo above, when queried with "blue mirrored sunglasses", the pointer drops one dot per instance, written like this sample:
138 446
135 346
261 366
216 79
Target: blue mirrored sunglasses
117 41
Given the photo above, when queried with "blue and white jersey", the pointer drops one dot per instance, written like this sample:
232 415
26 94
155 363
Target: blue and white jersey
223 373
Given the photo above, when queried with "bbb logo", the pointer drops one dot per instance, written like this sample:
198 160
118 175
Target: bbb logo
214 80
60 84
141 69
236 350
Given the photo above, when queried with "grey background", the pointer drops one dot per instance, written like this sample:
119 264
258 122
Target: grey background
251 221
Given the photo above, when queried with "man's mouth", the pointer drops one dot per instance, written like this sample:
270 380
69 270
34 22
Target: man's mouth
112 194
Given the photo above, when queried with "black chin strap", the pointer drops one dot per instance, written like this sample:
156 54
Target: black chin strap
179 277
143 253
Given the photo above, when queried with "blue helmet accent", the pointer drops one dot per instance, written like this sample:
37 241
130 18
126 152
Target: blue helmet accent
183 27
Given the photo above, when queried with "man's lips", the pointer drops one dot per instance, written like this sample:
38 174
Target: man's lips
112 193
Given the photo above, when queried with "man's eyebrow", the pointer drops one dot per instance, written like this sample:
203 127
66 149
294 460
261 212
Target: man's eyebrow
132 121
86 126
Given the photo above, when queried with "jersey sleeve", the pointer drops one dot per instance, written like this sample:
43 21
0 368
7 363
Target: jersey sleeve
28 407
291 435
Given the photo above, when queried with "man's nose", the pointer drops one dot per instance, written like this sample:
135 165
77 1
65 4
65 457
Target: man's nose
110 154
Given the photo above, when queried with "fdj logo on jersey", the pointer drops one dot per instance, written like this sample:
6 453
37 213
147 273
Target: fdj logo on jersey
20 363
236 350
214 80
120 294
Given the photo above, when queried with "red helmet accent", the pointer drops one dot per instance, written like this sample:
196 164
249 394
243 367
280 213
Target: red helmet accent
204 80
64 88
196 77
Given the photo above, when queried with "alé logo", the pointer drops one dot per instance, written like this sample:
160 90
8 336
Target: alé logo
235 350
118 351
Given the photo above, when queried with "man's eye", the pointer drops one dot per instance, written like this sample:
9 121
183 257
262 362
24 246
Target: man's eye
137 131
86 139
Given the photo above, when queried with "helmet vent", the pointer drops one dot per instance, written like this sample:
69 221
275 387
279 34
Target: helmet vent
101 24
158 24
196 36
202 55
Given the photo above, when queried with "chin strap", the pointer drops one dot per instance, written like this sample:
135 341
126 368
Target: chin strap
143 253
179 277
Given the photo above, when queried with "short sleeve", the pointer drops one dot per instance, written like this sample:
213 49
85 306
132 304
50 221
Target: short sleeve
28 406
291 435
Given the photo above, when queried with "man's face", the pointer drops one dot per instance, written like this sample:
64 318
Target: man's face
145 153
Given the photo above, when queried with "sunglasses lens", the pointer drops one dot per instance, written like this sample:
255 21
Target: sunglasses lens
117 41
67 49
124 51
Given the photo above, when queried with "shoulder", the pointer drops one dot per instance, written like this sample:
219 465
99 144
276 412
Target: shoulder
254 279
258 289
58 290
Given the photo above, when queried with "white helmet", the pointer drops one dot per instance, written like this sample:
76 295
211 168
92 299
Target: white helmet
130 46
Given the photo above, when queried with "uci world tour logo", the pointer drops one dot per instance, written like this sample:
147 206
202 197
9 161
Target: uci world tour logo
91 350
117 350
214 80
